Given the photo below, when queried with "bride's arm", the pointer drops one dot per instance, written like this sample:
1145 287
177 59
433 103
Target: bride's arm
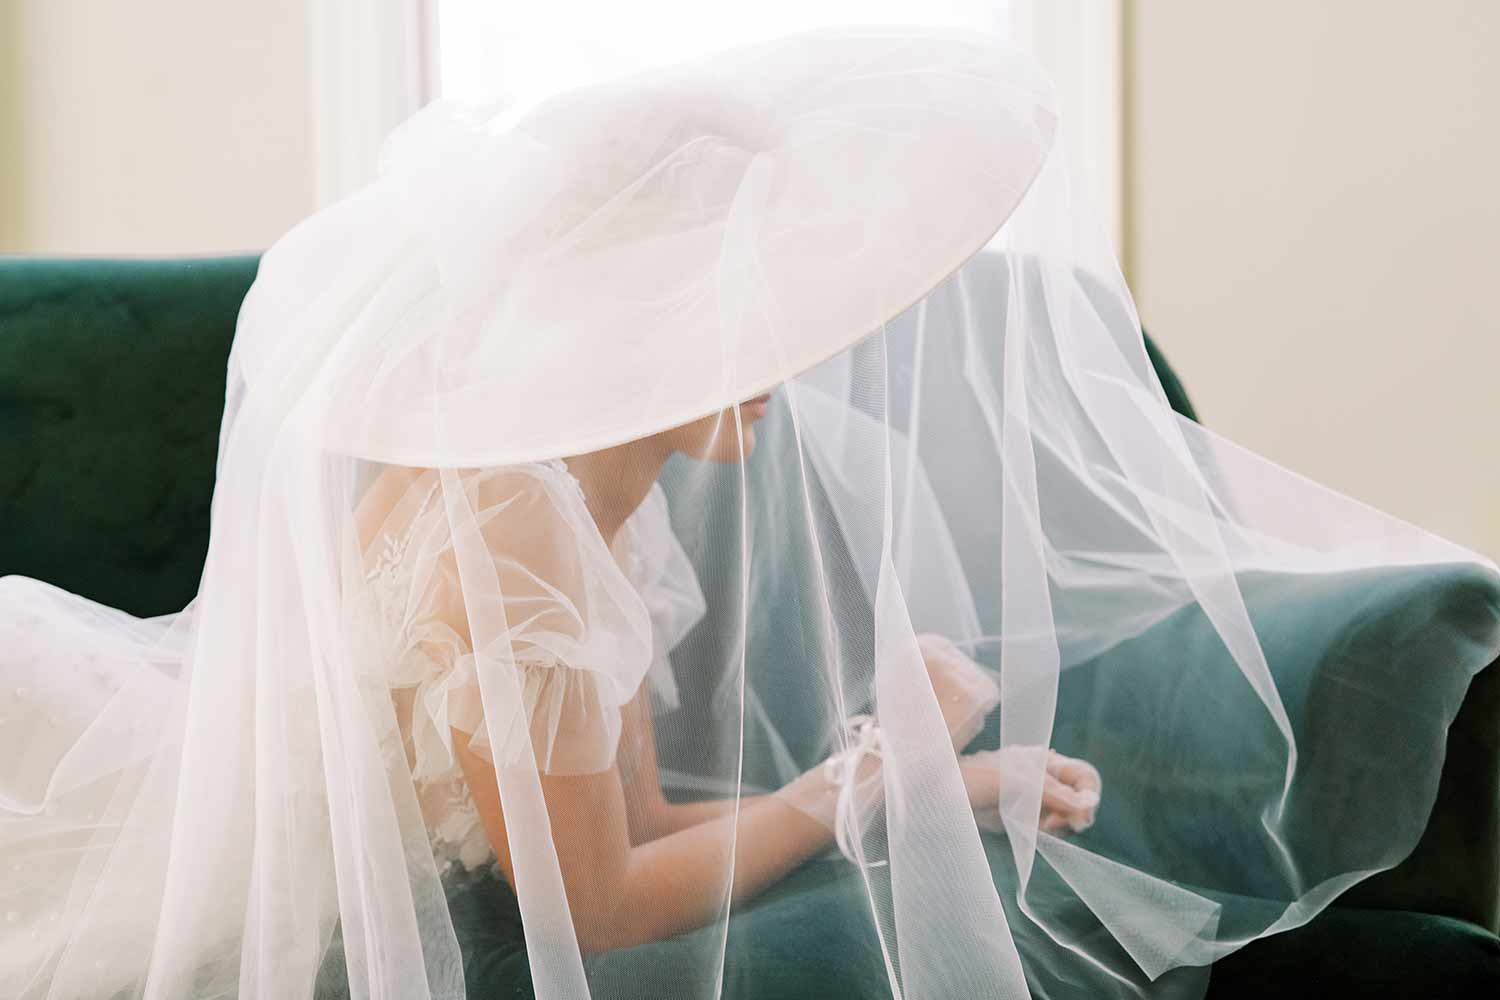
621 894
651 815
624 890
964 697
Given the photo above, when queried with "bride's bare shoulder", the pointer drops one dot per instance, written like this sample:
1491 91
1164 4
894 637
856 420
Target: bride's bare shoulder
532 512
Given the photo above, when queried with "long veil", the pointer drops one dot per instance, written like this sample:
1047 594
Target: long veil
964 438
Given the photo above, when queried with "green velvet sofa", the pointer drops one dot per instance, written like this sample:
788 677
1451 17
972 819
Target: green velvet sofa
111 391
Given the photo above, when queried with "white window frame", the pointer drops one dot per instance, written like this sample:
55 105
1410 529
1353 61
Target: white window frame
372 64
1081 44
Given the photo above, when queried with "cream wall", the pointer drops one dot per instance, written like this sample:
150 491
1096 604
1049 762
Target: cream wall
152 126
1313 234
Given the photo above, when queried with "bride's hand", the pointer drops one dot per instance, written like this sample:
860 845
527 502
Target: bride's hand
1070 787
965 693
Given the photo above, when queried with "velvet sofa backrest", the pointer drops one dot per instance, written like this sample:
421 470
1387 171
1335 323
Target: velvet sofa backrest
111 392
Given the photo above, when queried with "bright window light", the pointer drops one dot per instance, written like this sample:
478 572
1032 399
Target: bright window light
523 52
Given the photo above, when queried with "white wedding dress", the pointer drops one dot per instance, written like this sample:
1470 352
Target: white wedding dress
430 668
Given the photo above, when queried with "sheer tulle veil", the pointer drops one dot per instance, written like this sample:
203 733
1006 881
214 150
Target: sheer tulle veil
964 438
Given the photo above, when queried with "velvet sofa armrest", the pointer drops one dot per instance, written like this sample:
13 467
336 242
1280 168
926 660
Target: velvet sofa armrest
1455 868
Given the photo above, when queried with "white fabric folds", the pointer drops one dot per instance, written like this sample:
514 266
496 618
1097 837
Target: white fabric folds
582 479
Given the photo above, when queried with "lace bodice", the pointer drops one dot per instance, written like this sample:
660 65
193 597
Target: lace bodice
430 667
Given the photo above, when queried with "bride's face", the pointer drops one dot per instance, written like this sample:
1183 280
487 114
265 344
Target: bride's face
718 437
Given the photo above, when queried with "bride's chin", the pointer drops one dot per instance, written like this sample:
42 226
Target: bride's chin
727 452
722 439
735 456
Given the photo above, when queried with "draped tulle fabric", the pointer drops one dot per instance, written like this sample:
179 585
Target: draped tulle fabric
965 438
574 607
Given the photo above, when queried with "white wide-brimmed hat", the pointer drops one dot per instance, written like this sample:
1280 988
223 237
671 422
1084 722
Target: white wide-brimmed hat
633 255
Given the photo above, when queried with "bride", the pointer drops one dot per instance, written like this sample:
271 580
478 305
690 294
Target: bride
712 534
555 531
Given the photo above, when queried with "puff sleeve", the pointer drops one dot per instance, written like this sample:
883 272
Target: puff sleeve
507 617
